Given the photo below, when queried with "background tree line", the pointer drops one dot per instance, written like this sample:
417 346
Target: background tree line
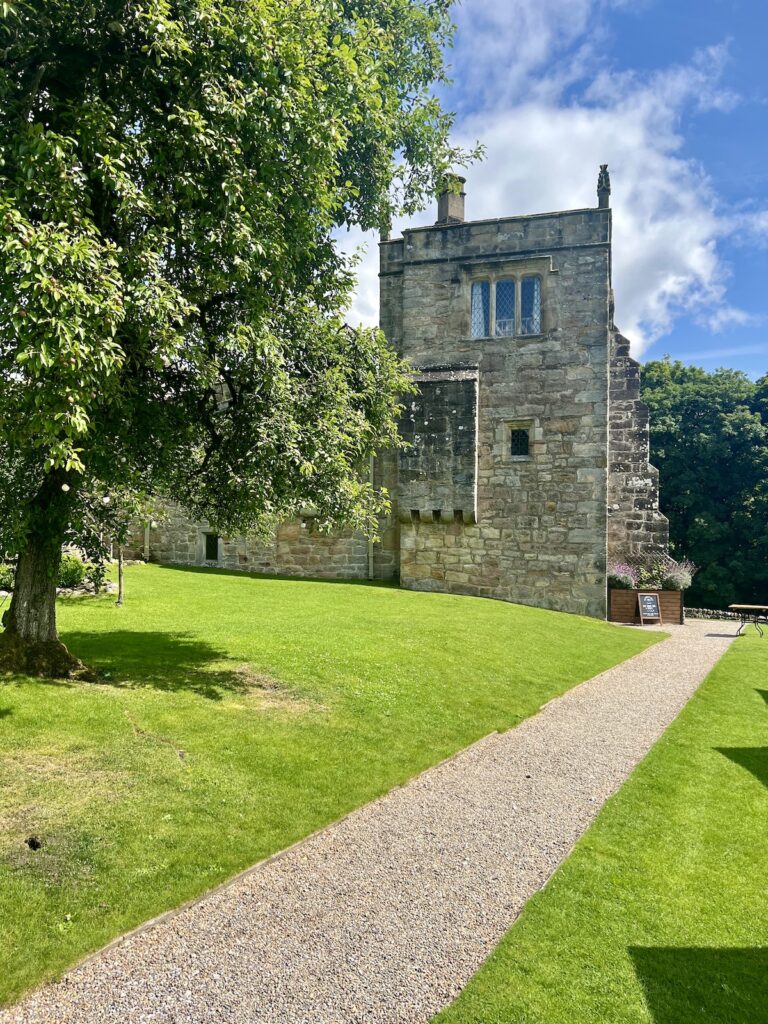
709 440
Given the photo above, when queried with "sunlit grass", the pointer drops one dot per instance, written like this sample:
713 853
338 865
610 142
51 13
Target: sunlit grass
237 715
660 916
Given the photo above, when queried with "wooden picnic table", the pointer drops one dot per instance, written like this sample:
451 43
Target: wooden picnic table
750 613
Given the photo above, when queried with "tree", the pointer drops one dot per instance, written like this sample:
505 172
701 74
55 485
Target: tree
171 297
111 518
709 440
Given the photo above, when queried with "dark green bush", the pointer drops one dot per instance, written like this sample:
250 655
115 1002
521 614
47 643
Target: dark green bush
72 571
96 573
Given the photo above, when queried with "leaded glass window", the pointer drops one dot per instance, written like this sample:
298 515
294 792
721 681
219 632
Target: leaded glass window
481 309
505 308
530 305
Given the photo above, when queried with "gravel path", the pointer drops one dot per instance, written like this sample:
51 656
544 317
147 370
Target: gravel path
385 916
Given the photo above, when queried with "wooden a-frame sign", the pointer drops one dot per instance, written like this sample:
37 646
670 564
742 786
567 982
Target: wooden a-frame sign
649 607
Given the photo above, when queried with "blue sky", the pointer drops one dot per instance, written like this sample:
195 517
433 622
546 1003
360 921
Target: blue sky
673 95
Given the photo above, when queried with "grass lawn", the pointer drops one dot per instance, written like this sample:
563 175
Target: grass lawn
238 715
661 913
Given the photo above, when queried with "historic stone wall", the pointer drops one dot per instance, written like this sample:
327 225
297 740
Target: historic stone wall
437 473
527 456
540 530
297 549
635 524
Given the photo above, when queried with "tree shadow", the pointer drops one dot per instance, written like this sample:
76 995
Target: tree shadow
716 985
754 759
171 662
763 694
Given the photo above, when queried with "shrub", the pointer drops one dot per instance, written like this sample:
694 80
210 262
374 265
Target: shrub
679 576
651 572
622 576
96 573
6 576
72 571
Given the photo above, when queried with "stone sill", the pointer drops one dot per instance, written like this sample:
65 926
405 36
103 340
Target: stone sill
506 337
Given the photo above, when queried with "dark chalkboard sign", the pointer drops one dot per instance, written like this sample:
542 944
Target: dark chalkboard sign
649 607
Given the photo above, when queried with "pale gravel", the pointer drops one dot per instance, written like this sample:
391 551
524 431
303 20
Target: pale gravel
385 916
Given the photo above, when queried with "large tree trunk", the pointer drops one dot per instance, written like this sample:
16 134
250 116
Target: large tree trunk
30 643
32 615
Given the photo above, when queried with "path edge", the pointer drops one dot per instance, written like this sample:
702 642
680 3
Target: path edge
169 915
173 912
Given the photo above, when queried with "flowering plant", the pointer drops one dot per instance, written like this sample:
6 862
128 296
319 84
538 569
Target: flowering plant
652 572
679 575
622 576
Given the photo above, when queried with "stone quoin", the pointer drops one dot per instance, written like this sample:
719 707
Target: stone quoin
528 460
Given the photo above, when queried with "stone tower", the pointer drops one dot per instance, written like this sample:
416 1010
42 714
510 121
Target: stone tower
527 464
528 435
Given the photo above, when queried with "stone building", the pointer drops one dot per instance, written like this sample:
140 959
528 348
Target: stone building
528 460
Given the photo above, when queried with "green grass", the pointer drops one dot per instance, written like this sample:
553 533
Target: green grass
661 913
240 714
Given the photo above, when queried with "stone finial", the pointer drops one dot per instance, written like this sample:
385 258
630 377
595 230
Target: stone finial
450 202
603 188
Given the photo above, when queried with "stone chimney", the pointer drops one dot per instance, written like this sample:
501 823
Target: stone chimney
450 204
603 188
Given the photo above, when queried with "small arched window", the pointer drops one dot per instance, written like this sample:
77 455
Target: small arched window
530 305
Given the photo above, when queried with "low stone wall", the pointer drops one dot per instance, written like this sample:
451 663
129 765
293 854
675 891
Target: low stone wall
298 548
711 613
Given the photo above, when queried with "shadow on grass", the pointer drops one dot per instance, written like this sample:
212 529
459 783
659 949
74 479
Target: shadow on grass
171 662
754 759
763 694
284 578
719 986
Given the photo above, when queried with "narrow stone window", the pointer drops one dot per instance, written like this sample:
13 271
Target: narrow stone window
211 547
520 440
505 308
530 305
481 309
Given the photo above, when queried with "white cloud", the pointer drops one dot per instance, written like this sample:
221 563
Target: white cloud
730 316
542 153
500 47
749 227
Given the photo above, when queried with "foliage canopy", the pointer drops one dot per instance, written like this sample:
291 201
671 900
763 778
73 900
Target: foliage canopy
171 297
709 440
